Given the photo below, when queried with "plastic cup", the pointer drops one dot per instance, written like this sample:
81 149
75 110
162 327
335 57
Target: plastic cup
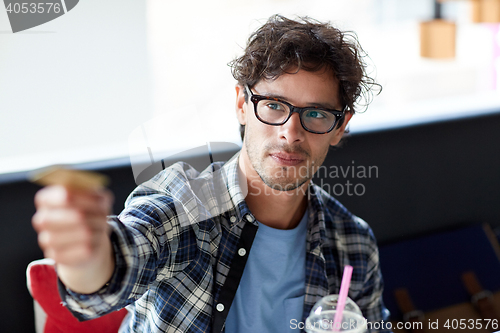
321 317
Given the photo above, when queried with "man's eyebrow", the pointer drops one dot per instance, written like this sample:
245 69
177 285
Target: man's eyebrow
319 105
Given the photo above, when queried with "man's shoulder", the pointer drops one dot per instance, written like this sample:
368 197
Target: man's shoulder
338 217
178 175
182 191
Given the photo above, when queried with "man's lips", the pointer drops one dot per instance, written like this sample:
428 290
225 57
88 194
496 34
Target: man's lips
287 159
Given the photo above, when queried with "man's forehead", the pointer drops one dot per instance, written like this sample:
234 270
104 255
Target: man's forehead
319 88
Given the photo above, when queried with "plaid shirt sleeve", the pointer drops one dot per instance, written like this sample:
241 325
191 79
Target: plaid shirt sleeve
163 263
369 298
348 240
144 247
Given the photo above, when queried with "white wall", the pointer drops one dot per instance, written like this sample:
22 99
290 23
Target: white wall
74 88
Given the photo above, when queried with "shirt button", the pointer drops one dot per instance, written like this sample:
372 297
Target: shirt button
249 218
220 307
233 219
242 252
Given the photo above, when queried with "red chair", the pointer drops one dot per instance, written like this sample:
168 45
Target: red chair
50 315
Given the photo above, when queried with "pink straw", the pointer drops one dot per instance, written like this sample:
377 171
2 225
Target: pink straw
344 289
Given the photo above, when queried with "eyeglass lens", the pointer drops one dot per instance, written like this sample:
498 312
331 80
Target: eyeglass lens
276 113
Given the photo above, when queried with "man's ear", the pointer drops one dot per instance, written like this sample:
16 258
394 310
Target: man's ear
240 105
339 132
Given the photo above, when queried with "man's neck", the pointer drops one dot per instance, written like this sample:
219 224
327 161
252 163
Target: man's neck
274 208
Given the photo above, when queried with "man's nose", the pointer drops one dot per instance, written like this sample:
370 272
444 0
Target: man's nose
292 131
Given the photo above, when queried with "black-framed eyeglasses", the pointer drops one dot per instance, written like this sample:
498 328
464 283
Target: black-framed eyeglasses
273 111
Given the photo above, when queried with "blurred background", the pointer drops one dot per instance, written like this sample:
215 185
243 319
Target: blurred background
76 89
73 89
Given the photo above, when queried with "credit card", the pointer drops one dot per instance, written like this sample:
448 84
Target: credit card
77 179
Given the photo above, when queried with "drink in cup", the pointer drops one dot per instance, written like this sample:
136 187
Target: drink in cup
321 318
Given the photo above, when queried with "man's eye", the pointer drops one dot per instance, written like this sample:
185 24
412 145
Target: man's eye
275 106
316 114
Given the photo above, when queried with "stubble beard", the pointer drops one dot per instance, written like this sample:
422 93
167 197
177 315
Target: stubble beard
286 178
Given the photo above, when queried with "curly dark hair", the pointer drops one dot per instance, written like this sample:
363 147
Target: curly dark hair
282 45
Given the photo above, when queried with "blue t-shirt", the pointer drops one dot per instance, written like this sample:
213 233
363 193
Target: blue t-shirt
271 290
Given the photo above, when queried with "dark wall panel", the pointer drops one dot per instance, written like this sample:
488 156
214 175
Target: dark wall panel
430 177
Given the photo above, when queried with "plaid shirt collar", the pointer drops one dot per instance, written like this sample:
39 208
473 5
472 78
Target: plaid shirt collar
237 188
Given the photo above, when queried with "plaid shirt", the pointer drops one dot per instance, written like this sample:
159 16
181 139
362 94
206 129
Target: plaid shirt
178 247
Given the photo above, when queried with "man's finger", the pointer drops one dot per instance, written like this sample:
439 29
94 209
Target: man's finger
67 218
93 201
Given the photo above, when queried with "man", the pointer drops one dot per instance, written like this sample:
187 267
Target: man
180 262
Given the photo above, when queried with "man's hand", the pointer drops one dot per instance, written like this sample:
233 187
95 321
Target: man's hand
72 229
